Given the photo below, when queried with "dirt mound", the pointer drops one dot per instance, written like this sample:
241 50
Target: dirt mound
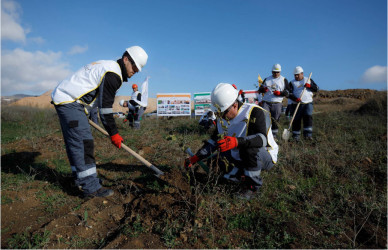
44 101
361 94
376 106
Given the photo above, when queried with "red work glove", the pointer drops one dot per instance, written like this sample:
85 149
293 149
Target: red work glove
298 100
227 143
190 161
277 92
307 85
117 140
263 89
125 120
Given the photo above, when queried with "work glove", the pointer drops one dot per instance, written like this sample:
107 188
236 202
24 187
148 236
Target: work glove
227 143
117 140
297 99
307 85
263 89
277 92
125 120
191 160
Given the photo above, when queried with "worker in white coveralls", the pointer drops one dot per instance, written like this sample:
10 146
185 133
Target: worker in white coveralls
93 85
274 88
243 136
305 110
135 106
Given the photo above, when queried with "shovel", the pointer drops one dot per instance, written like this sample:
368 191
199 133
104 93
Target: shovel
126 148
286 133
203 165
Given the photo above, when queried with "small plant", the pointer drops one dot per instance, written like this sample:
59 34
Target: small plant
27 240
135 229
51 202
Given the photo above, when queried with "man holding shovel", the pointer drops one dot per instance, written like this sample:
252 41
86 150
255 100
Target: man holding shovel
305 110
93 85
244 138
274 88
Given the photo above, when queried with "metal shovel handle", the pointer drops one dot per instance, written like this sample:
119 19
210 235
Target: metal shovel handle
129 150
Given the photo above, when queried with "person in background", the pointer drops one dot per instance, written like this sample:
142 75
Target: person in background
275 88
243 136
135 110
208 120
305 110
93 85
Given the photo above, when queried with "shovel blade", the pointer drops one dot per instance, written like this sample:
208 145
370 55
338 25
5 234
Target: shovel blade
286 135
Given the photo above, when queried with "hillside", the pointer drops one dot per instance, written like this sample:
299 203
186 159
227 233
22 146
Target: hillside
44 101
354 96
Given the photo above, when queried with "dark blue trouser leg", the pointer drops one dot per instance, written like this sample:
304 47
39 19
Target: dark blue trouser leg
137 118
79 145
308 120
276 110
253 161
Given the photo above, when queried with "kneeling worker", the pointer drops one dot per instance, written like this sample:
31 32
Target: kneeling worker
246 139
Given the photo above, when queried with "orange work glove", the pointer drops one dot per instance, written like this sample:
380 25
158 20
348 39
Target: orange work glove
191 160
117 140
307 85
227 143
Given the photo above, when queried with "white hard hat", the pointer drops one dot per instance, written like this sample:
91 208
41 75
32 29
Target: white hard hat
223 96
298 70
121 103
138 55
277 68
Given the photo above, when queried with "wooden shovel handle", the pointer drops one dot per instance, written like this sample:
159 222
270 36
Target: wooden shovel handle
128 149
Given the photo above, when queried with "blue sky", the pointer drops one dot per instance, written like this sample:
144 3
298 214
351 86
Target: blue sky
195 44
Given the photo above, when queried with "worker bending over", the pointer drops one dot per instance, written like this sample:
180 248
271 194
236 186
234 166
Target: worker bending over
93 85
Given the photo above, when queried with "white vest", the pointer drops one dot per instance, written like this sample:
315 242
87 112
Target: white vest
298 89
85 80
274 84
237 127
134 96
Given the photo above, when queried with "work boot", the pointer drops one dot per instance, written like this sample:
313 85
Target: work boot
102 192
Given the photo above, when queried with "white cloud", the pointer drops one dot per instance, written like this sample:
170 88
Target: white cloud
375 74
10 27
32 72
37 40
78 49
